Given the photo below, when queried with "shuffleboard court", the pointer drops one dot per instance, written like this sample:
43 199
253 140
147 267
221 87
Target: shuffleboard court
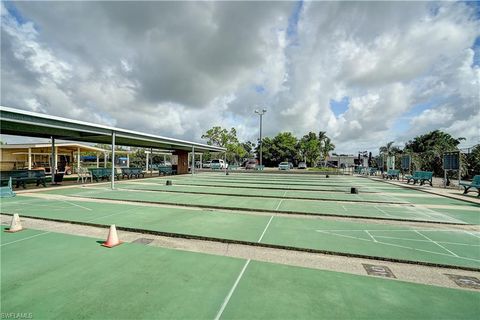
43 277
440 246
314 195
389 212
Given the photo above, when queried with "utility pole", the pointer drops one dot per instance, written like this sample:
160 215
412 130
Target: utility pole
261 113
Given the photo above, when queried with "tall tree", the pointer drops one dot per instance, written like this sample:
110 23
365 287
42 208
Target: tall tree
327 147
309 149
221 137
428 150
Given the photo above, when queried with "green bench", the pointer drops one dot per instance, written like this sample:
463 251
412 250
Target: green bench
7 191
420 176
359 169
392 174
259 167
132 173
216 166
474 184
22 177
232 167
100 173
166 170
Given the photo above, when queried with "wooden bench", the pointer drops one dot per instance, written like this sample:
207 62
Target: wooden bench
259 167
421 176
474 184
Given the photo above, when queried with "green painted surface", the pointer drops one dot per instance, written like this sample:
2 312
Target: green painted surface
338 236
388 241
62 276
314 195
270 204
69 277
269 291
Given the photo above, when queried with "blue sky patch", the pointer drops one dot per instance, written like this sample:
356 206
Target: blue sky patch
339 107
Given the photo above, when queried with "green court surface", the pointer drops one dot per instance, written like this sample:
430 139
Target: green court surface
312 195
347 209
53 275
443 246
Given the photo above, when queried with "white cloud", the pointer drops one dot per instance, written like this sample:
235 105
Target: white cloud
178 68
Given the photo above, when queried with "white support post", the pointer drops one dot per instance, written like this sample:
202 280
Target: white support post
164 159
151 162
225 162
128 160
193 160
98 160
78 160
56 159
53 161
146 160
29 158
113 160
105 159
201 162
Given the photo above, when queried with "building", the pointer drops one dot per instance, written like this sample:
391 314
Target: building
38 155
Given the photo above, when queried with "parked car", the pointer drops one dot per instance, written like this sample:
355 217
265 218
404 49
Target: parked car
218 164
284 166
302 165
207 164
251 164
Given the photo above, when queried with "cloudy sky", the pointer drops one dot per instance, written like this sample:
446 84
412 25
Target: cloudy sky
365 72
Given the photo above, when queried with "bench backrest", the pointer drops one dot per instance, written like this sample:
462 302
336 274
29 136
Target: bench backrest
427 175
417 174
476 180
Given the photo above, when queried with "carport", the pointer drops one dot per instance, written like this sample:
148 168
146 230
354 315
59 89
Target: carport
31 124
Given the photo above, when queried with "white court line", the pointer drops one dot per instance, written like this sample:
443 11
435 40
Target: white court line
265 230
229 295
472 234
374 240
385 213
393 230
76 205
420 240
344 207
397 245
278 206
451 252
232 290
40 234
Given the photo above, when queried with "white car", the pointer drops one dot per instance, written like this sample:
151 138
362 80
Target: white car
207 164
219 164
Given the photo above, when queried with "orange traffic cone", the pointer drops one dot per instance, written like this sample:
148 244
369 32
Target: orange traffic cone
15 226
112 239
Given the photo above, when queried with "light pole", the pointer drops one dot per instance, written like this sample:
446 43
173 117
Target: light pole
261 113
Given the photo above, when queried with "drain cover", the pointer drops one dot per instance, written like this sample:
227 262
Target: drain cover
465 281
142 240
379 271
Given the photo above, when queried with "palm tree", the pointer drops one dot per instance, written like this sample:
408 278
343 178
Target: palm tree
327 147
388 148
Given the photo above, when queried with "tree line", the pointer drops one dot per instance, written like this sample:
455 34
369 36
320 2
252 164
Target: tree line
311 148
427 151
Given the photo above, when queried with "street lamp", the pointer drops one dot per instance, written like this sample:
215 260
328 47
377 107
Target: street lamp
261 113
